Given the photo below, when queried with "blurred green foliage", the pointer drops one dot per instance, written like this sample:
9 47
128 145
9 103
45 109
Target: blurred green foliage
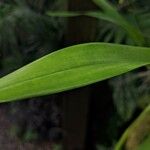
27 33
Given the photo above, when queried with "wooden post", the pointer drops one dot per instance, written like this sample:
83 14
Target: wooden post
76 102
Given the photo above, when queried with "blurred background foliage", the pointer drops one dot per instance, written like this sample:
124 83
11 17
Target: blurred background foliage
28 33
136 13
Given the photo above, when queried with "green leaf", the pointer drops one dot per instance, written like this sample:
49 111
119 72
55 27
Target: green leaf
111 14
108 13
63 14
70 68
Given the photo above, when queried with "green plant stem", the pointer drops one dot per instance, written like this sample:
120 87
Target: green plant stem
130 129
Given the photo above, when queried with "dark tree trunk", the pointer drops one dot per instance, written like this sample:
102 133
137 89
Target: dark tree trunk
80 29
76 102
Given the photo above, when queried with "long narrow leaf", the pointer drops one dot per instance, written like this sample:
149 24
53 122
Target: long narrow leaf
72 67
63 14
